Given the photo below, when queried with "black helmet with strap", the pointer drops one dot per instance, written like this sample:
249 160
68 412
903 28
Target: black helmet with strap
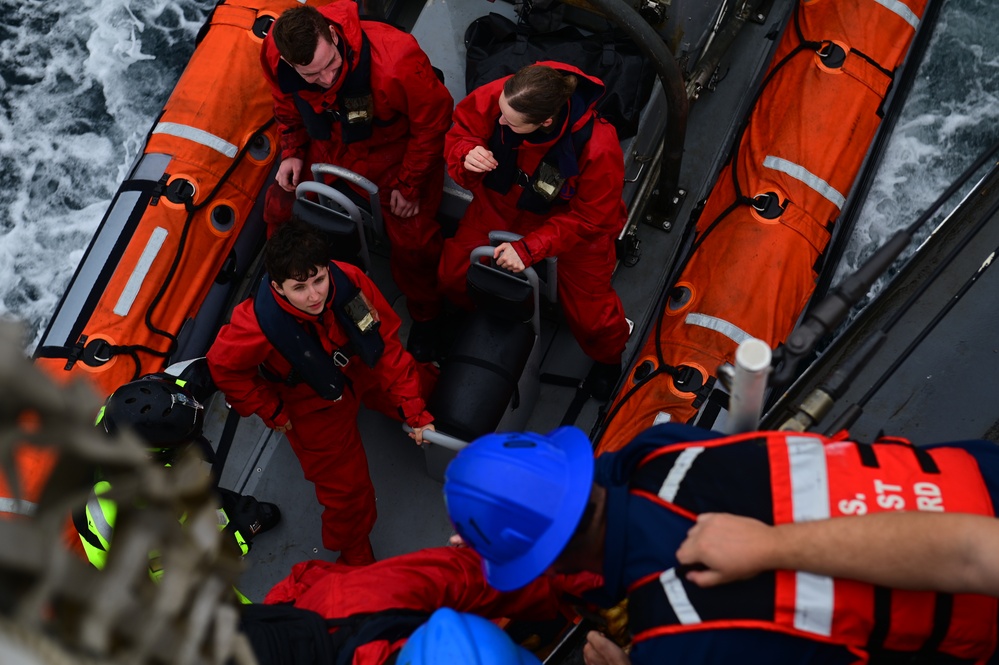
159 408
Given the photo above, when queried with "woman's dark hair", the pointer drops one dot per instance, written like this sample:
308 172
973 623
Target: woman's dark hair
538 92
294 251
297 33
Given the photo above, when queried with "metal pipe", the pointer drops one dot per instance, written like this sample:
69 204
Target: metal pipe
752 367
626 18
439 438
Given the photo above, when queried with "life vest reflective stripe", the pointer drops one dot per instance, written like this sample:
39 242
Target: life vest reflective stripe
781 478
309 360
9 506
30 467
354 106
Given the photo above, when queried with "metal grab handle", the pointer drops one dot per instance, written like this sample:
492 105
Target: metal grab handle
359 180
438 438
325 191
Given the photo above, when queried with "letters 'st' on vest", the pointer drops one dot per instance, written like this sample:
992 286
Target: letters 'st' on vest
781 478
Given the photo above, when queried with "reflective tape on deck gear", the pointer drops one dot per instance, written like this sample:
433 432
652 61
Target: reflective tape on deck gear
198 136
722 326
902 10
138 276
801 174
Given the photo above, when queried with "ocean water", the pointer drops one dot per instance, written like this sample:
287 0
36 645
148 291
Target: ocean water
81 83
950 118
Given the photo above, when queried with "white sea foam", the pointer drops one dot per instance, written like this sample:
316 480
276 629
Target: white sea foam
950 117
82 82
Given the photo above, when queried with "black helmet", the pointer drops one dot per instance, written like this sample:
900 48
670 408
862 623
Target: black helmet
158 408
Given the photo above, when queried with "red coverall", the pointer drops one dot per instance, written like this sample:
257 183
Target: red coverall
412 112
324 434
423 580
581 233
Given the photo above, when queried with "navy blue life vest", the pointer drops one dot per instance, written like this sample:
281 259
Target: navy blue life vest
778 478
354 106
560 163
310 362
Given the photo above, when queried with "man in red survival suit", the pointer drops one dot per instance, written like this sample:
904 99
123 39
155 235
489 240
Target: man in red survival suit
362 95
301 354
542 164
373 609
626 514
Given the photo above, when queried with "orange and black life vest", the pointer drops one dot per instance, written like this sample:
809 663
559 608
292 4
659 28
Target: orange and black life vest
780 478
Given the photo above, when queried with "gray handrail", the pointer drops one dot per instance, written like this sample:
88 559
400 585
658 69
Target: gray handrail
324 191
439 438
362 182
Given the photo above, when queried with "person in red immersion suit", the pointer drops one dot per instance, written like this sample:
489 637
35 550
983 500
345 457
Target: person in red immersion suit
541 163
362 95
417 584
316 338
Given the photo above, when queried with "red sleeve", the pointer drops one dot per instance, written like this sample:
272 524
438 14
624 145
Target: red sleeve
474 123
396 370
410 87
233 359
424 580
294 139
596 210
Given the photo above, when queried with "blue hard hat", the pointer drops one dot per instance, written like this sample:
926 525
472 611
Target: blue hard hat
516 498
454 637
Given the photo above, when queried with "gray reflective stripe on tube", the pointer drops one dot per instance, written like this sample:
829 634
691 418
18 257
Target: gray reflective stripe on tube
734 333
17 506
140 271
902 10
802 174
198 136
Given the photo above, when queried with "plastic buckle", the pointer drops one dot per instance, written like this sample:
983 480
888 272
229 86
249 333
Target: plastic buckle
340 359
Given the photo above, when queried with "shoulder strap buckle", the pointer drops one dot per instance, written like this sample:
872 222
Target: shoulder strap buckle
340 359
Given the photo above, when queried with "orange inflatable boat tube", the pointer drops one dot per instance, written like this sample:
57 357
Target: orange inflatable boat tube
768 218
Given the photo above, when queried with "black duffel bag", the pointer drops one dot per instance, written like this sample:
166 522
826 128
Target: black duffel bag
496 47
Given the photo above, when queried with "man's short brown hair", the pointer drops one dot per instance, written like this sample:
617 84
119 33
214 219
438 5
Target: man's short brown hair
297 33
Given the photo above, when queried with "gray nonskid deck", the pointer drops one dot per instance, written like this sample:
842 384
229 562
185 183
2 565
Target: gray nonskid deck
411 510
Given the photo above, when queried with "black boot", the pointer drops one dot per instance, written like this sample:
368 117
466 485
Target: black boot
268 516
602 379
